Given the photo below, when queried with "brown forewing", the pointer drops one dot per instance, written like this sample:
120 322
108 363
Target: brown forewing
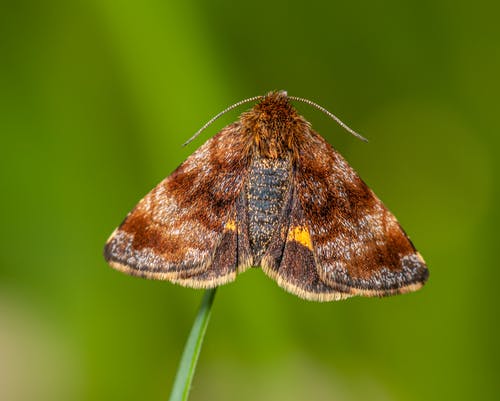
358 244
185 229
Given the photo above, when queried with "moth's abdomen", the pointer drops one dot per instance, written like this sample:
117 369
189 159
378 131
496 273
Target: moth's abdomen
266 191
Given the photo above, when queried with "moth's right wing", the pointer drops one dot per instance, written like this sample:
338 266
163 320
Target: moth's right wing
359 247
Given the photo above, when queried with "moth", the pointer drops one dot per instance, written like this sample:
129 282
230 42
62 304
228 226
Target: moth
268 191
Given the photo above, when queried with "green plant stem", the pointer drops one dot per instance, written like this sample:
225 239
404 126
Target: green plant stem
187 366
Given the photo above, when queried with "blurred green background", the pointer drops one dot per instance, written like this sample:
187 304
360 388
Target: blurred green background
96 98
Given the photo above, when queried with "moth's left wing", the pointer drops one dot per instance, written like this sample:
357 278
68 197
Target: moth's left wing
186 230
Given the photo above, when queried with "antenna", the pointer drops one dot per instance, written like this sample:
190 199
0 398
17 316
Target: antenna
331 115
250 99
298 99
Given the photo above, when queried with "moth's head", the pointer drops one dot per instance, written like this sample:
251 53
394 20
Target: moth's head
274 110
273 124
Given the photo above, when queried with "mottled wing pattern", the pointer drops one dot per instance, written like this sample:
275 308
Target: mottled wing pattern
185 229
359 247
290 258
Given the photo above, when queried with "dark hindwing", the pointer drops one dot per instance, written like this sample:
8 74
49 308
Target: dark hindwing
358 245
185 229
290 259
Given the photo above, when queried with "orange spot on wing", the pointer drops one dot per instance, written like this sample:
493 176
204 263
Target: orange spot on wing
301 235
230 225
